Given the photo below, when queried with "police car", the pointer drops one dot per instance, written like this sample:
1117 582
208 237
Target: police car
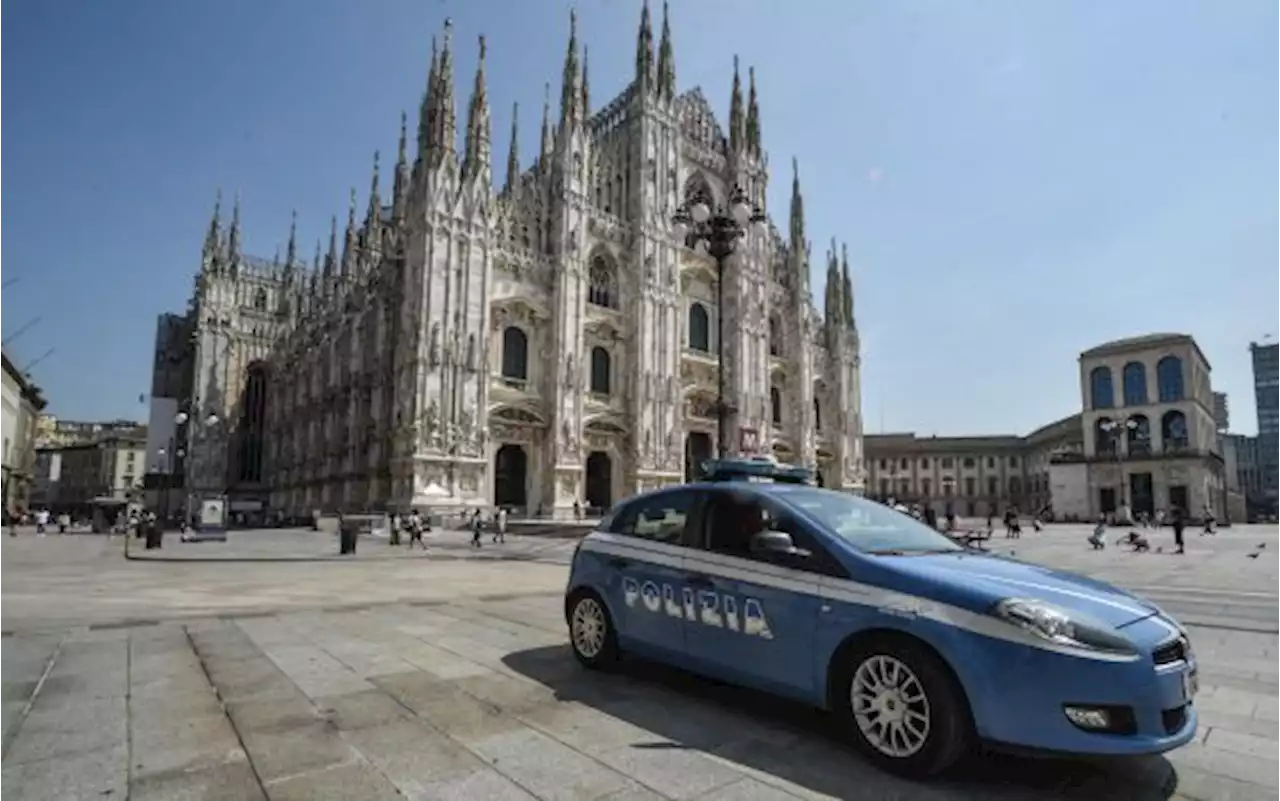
919 646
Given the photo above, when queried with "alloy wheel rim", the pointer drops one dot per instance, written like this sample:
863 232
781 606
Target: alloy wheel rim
890 706
588 628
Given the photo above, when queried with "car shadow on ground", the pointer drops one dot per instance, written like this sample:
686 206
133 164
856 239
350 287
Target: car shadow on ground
800 745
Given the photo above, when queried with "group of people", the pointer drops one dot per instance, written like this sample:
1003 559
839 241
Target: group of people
41 517
499 521
145 525
1176 519
415 525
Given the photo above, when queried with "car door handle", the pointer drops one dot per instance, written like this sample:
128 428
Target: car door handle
698 580
619 562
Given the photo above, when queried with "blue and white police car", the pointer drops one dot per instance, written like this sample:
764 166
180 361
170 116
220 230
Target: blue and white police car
919 646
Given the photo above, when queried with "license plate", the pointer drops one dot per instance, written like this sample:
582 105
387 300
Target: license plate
1190 685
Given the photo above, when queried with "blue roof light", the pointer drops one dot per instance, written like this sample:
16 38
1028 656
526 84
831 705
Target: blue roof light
755 470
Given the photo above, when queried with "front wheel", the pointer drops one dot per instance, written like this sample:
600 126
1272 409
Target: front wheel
591 633
903 707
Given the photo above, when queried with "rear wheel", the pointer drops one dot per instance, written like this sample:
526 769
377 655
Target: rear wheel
591 633
902 706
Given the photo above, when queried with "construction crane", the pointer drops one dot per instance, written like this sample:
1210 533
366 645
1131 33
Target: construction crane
26 371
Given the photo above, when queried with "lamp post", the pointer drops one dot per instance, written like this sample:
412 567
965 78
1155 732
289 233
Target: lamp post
194 434
716 231
1113 427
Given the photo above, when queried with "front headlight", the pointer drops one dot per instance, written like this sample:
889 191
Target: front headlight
1063 627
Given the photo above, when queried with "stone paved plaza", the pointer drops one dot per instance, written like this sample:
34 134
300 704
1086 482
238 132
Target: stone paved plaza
448 677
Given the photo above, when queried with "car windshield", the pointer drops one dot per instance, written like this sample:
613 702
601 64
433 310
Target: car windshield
867 525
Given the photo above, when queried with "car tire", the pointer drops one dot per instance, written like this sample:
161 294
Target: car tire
591 633
920 690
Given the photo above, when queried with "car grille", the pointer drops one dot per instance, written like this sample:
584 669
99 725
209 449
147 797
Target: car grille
1175 651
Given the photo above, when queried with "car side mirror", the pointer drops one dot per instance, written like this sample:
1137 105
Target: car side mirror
775 543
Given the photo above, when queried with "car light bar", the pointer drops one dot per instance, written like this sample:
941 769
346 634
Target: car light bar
755 470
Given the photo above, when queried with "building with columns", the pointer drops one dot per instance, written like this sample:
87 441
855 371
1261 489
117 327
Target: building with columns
972 476
539 345
1146 439
1151 441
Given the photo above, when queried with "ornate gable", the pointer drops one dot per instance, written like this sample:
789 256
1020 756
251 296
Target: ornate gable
698 121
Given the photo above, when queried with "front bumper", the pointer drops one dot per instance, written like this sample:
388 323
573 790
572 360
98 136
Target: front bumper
1018 696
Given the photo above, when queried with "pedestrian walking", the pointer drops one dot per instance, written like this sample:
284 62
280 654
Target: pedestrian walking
931 517
500 525
42 520
414 524
1179 524
475 529
1097 539
1209 520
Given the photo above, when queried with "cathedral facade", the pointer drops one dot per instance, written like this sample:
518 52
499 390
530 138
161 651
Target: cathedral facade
543 345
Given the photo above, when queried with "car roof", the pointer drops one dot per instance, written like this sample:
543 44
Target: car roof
775 489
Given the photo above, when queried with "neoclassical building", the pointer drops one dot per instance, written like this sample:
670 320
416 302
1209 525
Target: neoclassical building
539 344
972 476
1144 440
1150 438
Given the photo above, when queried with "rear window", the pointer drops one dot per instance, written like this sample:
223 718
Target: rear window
660 517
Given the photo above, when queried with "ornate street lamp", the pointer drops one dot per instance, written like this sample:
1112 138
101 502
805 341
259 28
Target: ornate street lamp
1113 428
194 434
716 231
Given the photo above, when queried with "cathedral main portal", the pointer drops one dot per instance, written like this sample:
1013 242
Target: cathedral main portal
697 450
511 476
599 482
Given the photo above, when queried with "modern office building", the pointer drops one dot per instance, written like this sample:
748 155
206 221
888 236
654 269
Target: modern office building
1266 381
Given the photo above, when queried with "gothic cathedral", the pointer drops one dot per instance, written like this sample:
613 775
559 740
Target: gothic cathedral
541 345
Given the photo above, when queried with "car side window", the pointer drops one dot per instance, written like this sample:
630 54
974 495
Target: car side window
660 518
732 519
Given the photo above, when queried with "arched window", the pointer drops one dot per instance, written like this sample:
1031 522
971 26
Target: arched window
775 405
260 299
775 336
1101 393
515 354
1169 379
1173 430
817 415
253 425
1134 379
699 328
600 370
602 288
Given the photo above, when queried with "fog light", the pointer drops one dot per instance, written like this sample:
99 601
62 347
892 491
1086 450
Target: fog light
1086 718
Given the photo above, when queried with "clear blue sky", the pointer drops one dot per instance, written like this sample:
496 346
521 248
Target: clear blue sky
1016 180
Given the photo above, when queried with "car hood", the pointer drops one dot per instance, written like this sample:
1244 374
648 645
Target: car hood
987 578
